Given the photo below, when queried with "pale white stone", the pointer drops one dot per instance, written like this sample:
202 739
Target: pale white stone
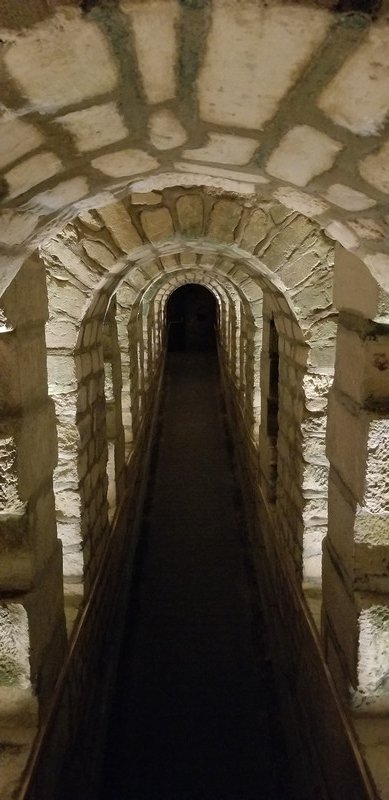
68 62
125 162
358 96
303 153
16 227
32 172
95 127
62 195
166 130
243 178
348 198
154 25
342 233
254 55
375 168
224 148
16 139
61 334
300 201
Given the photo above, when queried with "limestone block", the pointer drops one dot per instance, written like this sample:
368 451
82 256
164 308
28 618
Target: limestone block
343 234
341 518
64 298
219 177
44 606
61 334
351 358
68 62
348 198
68 506
371 562
299 268
99 252
16 562
95 127
357 97
62 376
9 267
341 609
9 386
64 194
300 201
155 22
125 163
190 214
23 369
376 494
378 264
373 650
242 46
118 222
17 139
90 221
375 388
314 296
16 227
32 172
37 449
14 646
150 269
344 427
316 388
145 198
367 228
257 227
315 480
25 301
375 170
355 289
224 148
303 153
42 522
312 554
223 221
165 130
157 224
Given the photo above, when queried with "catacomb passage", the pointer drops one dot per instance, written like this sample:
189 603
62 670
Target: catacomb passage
195 715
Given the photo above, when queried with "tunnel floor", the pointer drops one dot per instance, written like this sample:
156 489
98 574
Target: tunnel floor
195 713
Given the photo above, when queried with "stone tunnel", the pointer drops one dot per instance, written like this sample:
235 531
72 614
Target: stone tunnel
239 147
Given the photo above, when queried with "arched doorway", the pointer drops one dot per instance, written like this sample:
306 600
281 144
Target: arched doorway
191 319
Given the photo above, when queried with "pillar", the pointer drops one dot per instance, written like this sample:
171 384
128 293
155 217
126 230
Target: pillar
32 623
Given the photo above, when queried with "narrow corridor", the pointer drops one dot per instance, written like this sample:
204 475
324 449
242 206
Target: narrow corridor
195 714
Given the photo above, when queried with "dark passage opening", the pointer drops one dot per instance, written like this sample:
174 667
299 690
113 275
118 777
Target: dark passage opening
196 713
191 319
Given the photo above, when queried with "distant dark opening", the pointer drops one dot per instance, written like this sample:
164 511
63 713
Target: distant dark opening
191 319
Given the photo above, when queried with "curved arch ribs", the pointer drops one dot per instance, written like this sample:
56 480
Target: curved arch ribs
109 274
